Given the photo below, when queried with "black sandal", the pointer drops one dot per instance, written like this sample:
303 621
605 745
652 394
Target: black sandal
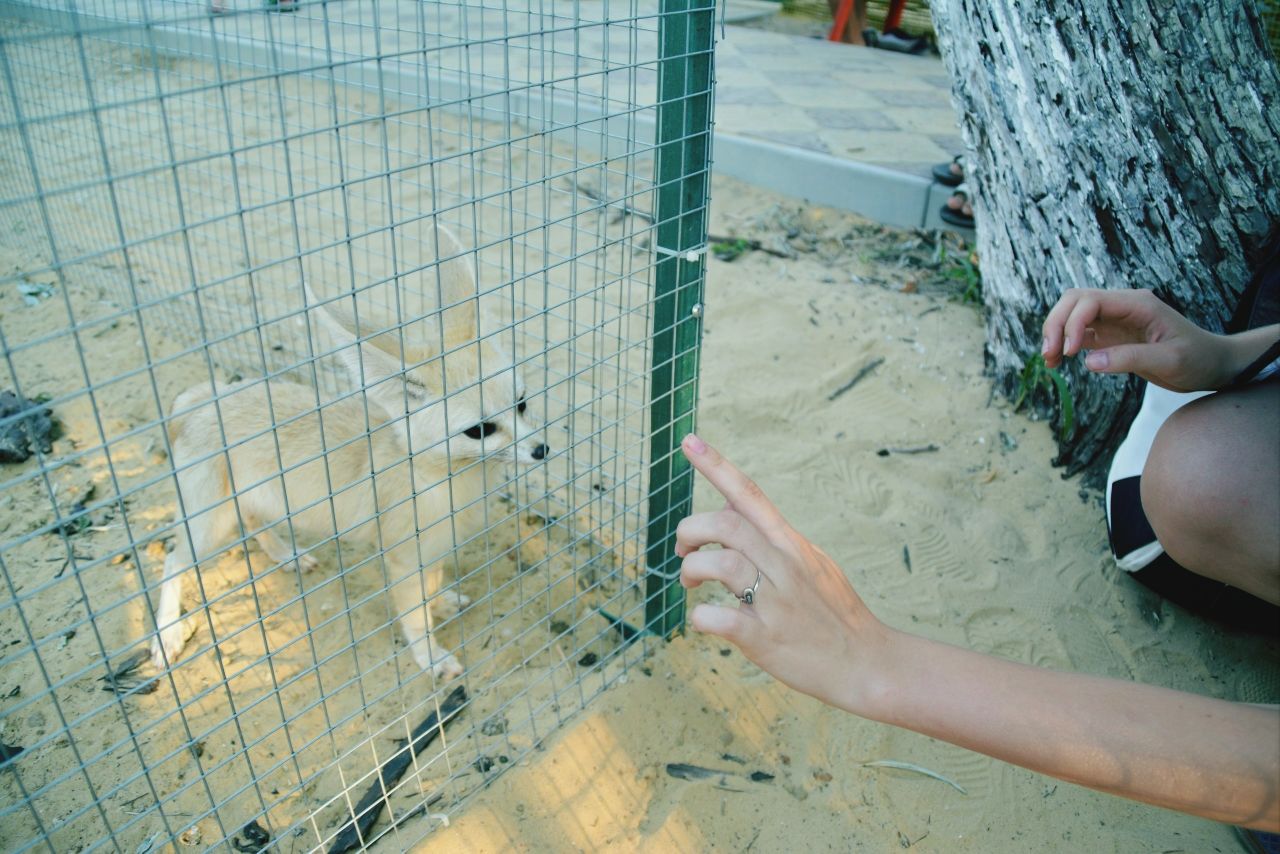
943 174
957 216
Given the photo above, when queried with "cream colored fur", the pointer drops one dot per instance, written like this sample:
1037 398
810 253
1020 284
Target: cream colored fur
295 472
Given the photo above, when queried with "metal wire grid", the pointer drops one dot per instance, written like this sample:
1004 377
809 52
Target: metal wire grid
170 178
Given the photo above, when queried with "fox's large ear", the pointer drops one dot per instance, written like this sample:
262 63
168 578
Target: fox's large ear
380 374
458 294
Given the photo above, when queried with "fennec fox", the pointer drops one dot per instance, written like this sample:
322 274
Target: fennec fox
409 476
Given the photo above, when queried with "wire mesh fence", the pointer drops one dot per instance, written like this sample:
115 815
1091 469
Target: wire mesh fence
347 346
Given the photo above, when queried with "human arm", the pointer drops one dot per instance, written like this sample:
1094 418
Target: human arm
1195 754
1131 331
808 627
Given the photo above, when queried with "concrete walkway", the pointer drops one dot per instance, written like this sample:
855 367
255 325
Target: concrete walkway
855 103
851 127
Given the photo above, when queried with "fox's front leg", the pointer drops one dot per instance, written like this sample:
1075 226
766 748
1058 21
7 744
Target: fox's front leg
172 632
411 596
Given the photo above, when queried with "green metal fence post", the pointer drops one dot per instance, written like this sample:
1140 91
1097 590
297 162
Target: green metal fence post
686 38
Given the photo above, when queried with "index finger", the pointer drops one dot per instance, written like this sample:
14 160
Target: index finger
1055 344
741 491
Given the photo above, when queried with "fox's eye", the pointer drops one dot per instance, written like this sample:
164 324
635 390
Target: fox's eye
479 431
417 391
521 406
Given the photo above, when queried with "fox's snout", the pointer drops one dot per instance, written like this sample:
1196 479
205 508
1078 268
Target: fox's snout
528 454
526 449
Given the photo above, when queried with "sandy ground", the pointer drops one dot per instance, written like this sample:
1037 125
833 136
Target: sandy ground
297 685
1006 557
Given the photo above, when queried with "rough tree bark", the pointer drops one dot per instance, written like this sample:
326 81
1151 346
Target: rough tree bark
1116 144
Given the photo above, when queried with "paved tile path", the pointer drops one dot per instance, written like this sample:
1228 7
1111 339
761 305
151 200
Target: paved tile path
853 103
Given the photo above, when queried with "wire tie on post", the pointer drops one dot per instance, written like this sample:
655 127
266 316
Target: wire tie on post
689 255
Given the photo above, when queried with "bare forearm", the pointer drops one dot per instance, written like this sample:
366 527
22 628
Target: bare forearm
1199 755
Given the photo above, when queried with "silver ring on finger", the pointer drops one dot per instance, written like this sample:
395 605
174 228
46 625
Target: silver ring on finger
749 594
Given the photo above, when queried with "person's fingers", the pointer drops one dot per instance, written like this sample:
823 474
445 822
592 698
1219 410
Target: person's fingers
1054 321
732 624
1088 318
1147 361
731 568
1083 313
741 491
727 528
1109 360
1106 333
684 551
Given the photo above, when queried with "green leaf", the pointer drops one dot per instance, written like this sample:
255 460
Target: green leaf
730 250
1064 402
1030 379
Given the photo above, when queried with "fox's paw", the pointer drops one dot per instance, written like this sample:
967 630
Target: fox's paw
448 668
449 602
167 645
442 663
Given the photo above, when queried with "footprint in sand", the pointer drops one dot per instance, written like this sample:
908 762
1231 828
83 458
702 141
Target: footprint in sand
1159 664
1258 687
1017 635
1087 644
1005 539
878 396
940 549
932 568
848 484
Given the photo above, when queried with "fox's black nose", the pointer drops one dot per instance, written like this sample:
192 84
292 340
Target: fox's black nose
540 451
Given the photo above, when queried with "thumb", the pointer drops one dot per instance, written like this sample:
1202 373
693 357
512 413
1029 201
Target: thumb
1122 359
727 623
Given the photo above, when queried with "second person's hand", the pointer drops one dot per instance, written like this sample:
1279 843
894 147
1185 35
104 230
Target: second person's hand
1132 331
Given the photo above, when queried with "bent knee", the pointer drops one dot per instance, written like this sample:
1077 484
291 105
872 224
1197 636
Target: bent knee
1187 488
1209 484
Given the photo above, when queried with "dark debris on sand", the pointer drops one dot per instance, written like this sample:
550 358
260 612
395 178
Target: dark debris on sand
36 429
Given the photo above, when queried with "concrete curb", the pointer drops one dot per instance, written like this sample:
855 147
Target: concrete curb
894 198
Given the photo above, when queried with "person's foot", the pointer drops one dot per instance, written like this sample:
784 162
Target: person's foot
851 35
898 41
951 174
958 210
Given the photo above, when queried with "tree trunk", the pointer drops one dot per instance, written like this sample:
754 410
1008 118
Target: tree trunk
1114 144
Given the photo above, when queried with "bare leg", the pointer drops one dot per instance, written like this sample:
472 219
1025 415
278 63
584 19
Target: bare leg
1211 488
857 21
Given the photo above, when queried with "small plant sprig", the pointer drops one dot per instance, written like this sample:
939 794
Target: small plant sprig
729 250
962 268
1036 375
